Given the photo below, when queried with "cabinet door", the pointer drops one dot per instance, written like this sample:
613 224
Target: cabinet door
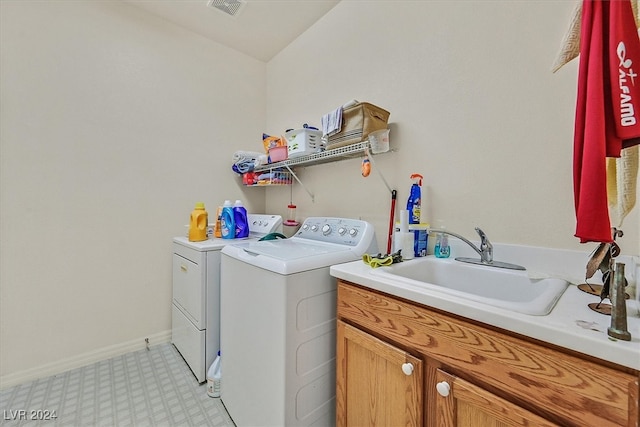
460 403
188 284
377 383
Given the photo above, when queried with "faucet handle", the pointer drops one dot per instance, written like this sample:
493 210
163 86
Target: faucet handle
482 234
485 246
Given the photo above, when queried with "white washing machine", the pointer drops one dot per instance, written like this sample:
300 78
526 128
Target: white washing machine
195 315
278 321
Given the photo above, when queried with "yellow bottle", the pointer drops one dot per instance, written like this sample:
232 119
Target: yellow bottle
217 231
198 223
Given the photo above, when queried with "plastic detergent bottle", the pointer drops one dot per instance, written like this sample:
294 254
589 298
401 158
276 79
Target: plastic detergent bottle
240 217
214 377
227 221
415 199
216 230
198 223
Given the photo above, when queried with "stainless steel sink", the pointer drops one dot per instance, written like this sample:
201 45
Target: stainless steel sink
509 289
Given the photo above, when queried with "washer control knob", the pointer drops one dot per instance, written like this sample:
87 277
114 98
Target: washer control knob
305 227
314 228
326 229
353 232
342 231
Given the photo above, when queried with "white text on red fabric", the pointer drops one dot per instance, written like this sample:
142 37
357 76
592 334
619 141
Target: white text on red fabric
625 72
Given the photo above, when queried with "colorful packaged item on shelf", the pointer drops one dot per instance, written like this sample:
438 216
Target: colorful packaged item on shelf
249 178
278 154
267 178
274 178
270 142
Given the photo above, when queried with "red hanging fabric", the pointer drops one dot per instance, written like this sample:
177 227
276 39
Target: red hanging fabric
607 108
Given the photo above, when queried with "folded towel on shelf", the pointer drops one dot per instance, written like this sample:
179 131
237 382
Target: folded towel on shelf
622 179
332 122
262 159
244 155
245 161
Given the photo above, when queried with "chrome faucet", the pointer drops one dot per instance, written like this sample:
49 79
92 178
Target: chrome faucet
486 248
485 251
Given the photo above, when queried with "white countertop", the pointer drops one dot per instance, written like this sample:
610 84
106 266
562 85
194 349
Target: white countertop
571 324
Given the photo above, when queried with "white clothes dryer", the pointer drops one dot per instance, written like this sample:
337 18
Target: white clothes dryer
195 312
278 321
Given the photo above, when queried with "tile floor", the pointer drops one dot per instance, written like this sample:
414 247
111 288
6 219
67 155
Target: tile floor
145 388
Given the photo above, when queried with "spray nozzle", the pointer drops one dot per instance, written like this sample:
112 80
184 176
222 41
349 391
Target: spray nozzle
417 178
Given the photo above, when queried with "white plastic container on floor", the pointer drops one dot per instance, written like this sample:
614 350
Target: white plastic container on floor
213 378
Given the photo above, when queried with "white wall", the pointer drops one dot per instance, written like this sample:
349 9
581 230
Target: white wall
114 123
474 108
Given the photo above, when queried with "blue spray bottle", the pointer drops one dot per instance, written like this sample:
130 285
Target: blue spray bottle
415 199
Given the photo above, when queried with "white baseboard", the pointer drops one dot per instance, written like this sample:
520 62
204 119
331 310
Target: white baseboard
81 360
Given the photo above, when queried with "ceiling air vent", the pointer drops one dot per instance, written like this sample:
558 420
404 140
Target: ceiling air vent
230 7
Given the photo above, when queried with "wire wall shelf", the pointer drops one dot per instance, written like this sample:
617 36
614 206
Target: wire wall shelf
268 178
340 153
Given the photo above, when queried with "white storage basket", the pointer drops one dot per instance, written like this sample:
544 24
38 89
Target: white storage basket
302 142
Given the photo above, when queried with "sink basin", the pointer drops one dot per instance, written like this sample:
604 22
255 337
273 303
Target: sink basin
509 289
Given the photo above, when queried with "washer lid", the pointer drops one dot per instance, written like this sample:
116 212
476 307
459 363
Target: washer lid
288 256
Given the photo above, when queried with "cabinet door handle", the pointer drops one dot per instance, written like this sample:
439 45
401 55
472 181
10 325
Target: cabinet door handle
183 268
443 388
407 368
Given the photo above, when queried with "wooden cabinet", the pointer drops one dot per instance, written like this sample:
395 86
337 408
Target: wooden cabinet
494 378
377 383
460 403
